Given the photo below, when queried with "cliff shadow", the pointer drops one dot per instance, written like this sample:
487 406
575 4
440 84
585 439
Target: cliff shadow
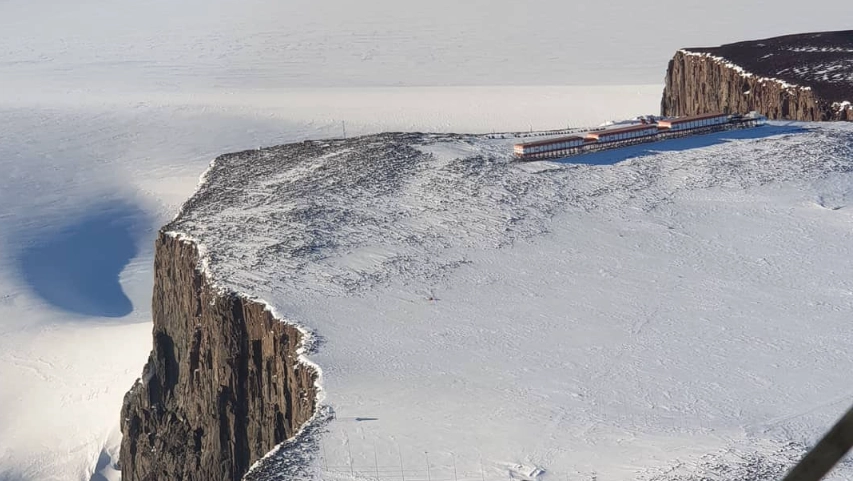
611 157
76 267
105 468
9 475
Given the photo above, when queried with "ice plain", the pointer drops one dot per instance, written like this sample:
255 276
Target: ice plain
109 111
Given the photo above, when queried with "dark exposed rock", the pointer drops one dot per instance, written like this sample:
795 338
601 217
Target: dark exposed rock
222 386
796 77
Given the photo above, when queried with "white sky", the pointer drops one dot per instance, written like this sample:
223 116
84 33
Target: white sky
158 45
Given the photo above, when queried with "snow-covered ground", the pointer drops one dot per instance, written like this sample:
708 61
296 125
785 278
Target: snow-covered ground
110 109
88 180
671 310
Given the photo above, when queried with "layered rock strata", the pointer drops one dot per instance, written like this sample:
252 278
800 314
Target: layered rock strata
806 77
223 384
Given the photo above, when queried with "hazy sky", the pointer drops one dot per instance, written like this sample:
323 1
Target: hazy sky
164 45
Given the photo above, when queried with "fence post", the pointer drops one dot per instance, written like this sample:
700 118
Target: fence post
429 475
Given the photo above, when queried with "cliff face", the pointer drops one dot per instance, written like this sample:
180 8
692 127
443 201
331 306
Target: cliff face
223 384
805 77
697 84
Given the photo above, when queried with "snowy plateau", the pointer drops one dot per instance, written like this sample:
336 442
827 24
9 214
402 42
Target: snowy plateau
656 313
670 312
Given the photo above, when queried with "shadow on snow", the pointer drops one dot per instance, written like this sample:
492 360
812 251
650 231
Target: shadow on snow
105 462
76 268
610 157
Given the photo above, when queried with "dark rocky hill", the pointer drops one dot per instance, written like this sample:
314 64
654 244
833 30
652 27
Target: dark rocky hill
223 385
799 77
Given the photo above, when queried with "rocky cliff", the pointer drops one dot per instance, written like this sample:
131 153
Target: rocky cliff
797 77
351 236
223 385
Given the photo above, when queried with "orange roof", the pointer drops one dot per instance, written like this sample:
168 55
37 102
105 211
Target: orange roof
692 118
551 141
623 130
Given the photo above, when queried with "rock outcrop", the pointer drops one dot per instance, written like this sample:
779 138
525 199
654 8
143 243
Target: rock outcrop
222 386
805 77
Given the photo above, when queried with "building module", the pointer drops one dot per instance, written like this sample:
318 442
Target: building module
647 131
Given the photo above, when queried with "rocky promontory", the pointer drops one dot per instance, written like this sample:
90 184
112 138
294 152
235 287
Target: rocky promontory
349 237
223 385
805 77
415 259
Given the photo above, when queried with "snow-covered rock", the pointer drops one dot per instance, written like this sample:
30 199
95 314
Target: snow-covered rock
798 77
667 311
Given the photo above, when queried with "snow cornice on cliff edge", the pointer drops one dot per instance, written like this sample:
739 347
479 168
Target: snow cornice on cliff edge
743 72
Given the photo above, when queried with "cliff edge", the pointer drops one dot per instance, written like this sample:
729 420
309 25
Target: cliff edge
223 384
806 77
465 301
